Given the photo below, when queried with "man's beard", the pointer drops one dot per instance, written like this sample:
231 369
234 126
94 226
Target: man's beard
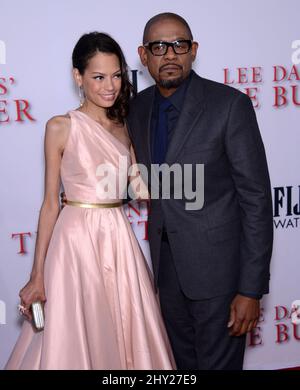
170 84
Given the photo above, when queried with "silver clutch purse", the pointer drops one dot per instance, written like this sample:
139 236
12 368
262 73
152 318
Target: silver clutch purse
38 315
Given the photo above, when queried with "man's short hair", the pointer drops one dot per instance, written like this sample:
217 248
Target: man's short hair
165 16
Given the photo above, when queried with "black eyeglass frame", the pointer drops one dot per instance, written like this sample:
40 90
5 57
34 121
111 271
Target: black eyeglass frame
149 46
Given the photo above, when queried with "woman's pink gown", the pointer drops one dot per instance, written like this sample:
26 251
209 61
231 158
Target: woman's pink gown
101 310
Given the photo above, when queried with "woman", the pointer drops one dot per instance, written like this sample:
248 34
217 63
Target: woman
100 308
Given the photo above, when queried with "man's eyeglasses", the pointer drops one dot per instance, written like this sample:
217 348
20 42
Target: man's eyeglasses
160 48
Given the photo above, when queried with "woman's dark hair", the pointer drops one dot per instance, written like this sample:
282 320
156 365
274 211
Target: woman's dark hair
87 46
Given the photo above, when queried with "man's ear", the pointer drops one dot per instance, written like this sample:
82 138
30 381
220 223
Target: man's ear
77 77
143 55
195 47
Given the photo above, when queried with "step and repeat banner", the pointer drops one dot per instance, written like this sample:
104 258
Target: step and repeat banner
253 46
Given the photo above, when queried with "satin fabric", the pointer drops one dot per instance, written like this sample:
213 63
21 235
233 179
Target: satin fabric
101 310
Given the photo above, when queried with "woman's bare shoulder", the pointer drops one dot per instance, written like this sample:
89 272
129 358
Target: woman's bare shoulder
57 131
59 123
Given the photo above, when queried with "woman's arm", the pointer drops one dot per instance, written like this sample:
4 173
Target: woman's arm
57 130
137 185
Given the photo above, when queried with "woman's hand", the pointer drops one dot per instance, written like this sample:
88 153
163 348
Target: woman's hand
33 291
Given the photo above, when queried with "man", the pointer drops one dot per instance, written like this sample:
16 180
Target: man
211 265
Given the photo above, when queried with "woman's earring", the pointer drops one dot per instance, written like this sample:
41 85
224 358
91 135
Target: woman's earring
81 96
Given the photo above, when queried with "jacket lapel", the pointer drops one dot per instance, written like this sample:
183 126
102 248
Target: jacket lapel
192 109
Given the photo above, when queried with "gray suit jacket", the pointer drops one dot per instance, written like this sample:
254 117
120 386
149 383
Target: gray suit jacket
226 246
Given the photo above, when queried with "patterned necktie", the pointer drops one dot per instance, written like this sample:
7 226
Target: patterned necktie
161 133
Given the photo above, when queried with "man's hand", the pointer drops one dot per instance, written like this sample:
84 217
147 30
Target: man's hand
63 199
244 315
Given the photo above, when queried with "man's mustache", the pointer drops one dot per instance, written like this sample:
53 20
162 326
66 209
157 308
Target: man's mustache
168 65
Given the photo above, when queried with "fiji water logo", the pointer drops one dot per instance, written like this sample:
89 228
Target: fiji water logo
2 313
295 317
287 207
296 52
2 53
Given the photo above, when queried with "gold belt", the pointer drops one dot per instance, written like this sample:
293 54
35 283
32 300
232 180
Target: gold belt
94 205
